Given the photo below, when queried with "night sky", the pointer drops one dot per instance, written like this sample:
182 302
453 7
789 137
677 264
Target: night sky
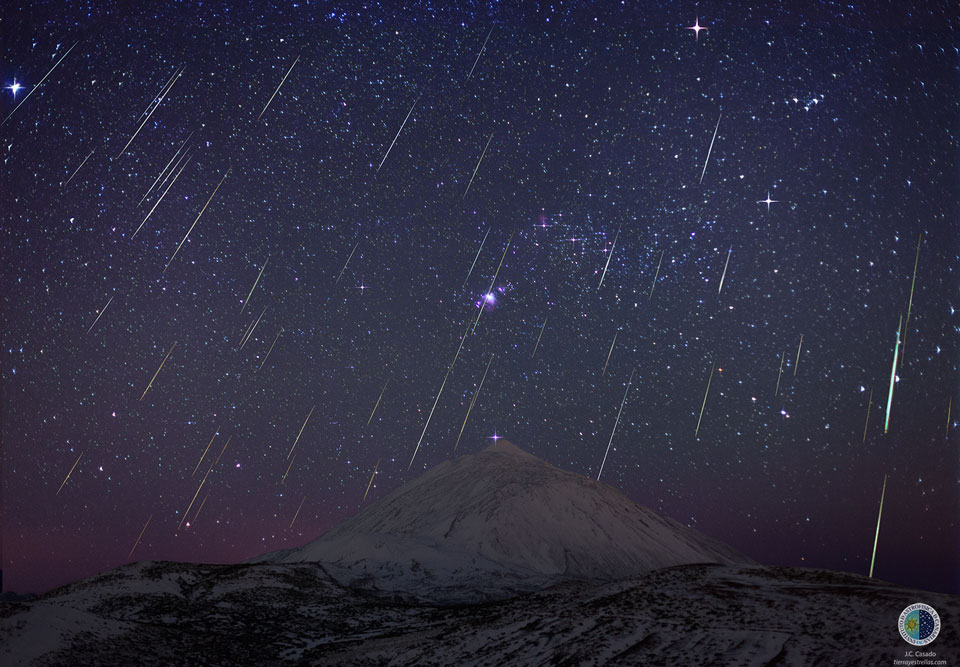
594 124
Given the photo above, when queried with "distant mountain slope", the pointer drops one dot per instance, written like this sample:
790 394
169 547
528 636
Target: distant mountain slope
490 524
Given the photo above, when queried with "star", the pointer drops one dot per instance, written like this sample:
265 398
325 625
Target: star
14 88
496 437
768 201
696 27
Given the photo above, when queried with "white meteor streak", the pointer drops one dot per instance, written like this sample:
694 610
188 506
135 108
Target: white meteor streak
608 258
345 264
476 168
724 270
77 169
542 327
278 88
99 316
160 199
398 132
477 257
157 106
604 372
479 53
212 195
247 300
615 424
34 89
710 150
160 175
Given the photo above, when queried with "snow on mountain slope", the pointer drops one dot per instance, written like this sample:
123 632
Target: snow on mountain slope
502 519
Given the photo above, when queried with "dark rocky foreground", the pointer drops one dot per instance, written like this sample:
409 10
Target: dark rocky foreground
161 613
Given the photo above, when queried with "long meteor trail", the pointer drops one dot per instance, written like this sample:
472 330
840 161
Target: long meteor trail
169 86
135 544
247 300
609 352
33 90
278 88
705 394
483 302
797 365
187 235
866 421
398 133
477 257
472 401
270 350
542 327
372 412
479 53
876 535
476 168
615 424
780 374
656 274
301 431
603 275
68 475
160 199
893 378
906 325
710 150
724 271
370 483
346 263
158 370
78 169
102 310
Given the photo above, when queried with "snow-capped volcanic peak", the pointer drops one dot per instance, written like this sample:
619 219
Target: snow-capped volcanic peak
503 508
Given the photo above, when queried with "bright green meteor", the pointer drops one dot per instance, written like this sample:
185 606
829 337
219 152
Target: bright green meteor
877 535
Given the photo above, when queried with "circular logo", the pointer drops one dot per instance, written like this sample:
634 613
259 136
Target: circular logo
919 624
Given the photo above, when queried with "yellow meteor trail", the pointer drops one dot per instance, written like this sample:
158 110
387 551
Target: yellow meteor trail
77 169
202 503
893 377
472 401
609 256
492 282
286 472
656 274
68 475
476 168
866 421
780 374
378 402
169 86
221 453
371 479
301 431
247 300
160 199
270 350
705 394
130 555
542 327
724 271
604 372
205 452
913 283
102 310
877 535
34 89
615 424
198 217
797 365
278 88
158 371
192 500
298 512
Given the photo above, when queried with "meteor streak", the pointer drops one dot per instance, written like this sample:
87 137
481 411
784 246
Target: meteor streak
205 452
198 217
949 409
345 264
68 475
705 394
374 474
247 300
780 374
278 88
130 555
608 258
252 328
430 416
398 133
493 282
160 199
270 350
78 169
102 310
476 258
301 431
893 378
472 401
158 371
710 150
33 90
877 534
725 270
656 274
542 327
378 402
476 168
479 53
287 471
866 421
615 424
160 175
298 512
913 283
609 353
165 92
797 365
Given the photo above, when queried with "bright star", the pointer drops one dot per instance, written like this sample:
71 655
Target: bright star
768 201
14 88
496 437
696 27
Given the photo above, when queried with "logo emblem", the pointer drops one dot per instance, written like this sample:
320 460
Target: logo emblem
919 624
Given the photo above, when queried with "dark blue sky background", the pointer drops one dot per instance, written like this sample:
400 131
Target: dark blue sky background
601 117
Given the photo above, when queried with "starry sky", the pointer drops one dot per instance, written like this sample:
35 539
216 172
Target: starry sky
568 144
